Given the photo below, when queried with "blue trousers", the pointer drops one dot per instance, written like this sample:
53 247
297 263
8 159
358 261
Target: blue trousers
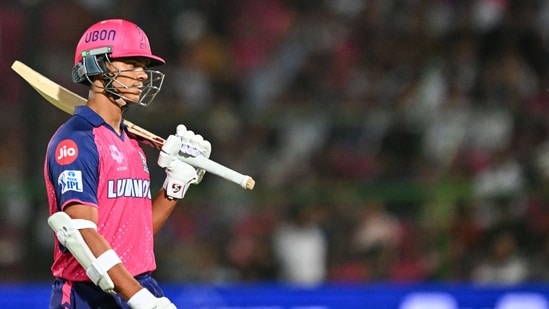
86 295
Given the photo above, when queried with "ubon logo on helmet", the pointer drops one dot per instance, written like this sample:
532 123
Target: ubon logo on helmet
125 38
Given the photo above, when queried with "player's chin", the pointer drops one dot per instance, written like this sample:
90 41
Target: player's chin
131 95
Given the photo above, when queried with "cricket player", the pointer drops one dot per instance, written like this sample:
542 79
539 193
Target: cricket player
97 178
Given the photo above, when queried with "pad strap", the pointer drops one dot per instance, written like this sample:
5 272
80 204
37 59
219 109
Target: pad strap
81 224
99 268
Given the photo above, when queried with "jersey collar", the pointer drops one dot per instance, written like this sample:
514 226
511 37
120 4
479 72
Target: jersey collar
88 114
92 117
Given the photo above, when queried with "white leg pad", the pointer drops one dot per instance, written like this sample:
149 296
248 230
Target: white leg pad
68 234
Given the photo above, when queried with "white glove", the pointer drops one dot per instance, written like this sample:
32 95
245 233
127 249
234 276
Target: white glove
146 300
193 145
180 174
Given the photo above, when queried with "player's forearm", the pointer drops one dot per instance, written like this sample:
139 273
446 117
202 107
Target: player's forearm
124 283
161 210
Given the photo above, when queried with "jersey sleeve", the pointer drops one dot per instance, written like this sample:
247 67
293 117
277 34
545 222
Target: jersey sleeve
72 165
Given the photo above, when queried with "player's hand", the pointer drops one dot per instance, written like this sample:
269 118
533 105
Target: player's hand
180 174
185 143
146 300
193 145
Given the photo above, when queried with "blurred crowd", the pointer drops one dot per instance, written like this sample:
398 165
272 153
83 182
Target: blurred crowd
399 141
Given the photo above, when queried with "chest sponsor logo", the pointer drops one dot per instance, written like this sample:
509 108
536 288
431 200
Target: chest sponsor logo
138 188
66 152
70 180
116 154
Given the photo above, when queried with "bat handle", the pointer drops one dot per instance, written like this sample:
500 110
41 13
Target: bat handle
246 182
250 183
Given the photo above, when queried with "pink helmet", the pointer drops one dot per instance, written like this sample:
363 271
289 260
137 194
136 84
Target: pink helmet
112 39
109 39
125 38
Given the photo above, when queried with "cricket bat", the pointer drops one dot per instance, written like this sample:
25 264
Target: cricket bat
67 100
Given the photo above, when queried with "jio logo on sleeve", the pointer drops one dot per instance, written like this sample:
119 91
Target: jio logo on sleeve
66 152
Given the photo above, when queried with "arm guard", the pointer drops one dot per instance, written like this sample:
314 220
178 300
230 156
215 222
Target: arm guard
68 234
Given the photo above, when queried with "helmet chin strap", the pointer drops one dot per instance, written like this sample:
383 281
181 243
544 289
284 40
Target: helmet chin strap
118 99
124 106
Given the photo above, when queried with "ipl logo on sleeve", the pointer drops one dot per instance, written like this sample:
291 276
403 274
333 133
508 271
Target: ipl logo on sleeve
70 180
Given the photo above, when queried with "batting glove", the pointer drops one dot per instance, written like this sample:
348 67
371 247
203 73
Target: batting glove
180 174
146 300
193 145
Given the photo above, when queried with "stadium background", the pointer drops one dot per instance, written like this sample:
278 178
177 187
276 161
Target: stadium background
393 142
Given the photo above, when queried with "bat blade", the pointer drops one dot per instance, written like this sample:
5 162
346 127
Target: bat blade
67 100
58 96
